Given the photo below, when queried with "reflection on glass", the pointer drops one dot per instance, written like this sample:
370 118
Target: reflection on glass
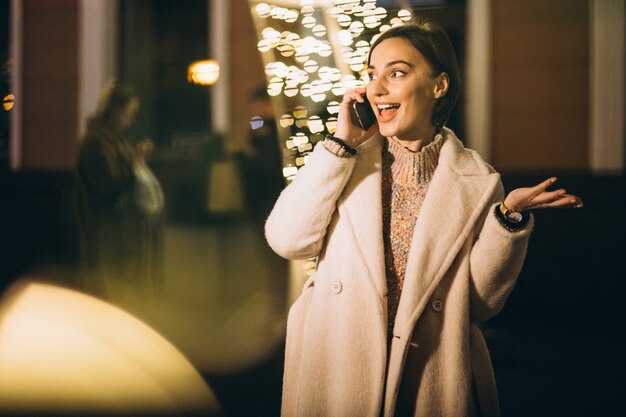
119 203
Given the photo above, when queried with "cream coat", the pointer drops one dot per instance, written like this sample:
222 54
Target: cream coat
462 265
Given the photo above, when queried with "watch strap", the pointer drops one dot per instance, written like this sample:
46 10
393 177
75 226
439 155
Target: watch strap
510 226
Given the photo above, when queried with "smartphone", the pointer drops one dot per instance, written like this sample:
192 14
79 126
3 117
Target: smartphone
364 113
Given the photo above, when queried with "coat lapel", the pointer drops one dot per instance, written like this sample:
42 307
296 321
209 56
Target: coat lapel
460 190
361 205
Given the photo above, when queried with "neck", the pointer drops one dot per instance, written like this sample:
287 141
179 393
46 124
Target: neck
421 139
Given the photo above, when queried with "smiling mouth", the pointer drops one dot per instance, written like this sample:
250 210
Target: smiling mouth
386 112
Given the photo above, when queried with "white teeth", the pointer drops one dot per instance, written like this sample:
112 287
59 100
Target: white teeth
387 106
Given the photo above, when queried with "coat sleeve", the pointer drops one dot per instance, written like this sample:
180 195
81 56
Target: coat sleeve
496 260
297 225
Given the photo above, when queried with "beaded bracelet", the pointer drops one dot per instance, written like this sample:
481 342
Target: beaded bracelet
338 147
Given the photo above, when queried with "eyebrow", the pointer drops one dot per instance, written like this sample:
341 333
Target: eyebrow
388 64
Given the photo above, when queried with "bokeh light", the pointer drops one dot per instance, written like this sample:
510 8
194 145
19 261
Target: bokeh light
315 51
8 101
205 72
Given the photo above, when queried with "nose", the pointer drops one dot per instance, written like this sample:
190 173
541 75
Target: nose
376 88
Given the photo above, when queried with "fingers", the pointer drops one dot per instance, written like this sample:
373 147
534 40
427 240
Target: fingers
348 128
577 203
563 201
537 197
569 200
543 186
547 197
354 95
552 199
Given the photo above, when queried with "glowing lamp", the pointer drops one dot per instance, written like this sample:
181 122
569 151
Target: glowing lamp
205 72
7 102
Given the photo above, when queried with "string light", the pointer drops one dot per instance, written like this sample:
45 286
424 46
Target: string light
301 41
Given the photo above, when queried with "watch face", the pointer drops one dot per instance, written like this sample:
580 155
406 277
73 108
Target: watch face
514 217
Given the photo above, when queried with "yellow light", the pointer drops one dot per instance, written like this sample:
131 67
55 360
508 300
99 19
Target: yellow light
286 120
264 45
363 46
302 56
308 21
306 90
345 37
356 28
300 138
301 122
278 12
319 30
331 125
335 12
396 21
297 69
291 90
310 66
263 10
290 171
66 353
316 125
307 10
205 72
405 14
344 20
291 16
333 107
8 101
275 86
300 111
325 50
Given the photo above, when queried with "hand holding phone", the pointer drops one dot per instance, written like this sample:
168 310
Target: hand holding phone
364 113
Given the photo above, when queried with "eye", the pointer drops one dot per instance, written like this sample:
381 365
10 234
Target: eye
397 74
371 76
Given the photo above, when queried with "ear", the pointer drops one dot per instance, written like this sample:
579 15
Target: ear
442 82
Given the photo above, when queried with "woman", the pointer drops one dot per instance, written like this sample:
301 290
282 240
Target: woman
119 201
415 241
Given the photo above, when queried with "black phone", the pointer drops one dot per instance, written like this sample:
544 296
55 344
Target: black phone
364 113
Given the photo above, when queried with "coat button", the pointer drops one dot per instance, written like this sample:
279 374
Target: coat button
437 304
336 287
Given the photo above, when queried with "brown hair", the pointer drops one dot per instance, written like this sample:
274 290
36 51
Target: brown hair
114 97
433 43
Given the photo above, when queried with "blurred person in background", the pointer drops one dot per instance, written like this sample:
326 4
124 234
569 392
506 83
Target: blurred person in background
416 242
260 166
261 163
119 201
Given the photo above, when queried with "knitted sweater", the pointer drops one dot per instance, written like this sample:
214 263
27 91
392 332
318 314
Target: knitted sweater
405 179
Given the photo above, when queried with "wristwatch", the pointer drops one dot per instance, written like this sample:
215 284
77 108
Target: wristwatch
511 216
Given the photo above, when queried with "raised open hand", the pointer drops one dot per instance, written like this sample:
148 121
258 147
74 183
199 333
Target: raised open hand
538 196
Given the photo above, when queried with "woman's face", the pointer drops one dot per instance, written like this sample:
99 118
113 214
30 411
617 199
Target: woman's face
402 90
126 115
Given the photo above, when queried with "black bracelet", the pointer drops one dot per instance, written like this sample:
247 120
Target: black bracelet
511 227
343 144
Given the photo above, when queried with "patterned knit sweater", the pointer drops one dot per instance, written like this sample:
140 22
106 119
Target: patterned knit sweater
405 181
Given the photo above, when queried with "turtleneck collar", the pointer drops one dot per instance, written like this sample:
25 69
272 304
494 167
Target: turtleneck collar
412 168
